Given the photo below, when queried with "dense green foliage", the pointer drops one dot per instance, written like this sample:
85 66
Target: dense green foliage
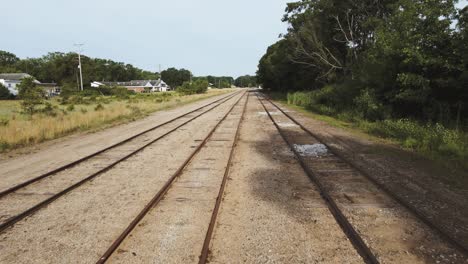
174 77
63 68
5 93
218 81
196 87
384 59
32 96
246 81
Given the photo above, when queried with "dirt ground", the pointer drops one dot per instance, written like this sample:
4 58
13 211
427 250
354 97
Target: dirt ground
271 211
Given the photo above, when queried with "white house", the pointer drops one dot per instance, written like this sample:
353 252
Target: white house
139 86
11 80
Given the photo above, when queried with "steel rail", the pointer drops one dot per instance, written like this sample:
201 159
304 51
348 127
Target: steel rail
209 233
76 162
346 226
14 219
160 194
445 235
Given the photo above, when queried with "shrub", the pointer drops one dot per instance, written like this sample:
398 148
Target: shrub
99 107
4 122
31 94
368 107
196 87
5 93
71 108
49 109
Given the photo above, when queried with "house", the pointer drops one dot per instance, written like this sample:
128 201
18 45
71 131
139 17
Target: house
138 86
11 80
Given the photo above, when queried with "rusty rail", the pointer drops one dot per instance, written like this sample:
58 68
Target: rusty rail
14 219
160 194
445 235
76 162
209 233
339 216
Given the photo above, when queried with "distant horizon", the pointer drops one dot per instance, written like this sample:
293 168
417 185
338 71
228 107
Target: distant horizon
209 37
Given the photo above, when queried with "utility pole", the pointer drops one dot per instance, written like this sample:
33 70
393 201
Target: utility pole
160 72
79 45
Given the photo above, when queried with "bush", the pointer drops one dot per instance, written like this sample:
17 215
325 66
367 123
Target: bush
71 108
5 93
68 90
196 87
429 138
4 122
32 95
368 107
49 109
99 107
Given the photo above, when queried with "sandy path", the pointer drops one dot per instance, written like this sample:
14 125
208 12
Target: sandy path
271 212
78 227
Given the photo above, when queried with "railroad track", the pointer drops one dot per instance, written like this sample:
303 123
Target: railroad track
169 183
330 167
144 141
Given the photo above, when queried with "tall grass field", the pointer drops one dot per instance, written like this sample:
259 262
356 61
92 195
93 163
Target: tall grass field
57 119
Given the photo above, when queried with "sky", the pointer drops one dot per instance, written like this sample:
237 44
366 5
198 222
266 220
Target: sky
217 37
208 37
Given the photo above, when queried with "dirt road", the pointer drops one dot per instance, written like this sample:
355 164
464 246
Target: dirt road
155 198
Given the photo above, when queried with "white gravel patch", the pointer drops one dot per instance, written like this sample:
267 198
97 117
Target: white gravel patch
271 113
287 124
315 150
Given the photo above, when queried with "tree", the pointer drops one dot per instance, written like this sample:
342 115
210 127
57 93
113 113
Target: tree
7 59
246 81
31 94
5 93
174 77
196 87
403 56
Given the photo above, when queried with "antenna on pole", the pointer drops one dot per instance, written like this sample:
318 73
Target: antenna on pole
79 46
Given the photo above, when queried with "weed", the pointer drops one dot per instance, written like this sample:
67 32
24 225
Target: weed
99 107
71 108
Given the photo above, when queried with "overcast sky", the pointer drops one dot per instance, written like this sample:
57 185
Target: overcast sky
218 37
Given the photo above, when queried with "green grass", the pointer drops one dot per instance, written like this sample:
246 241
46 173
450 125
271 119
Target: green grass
57 119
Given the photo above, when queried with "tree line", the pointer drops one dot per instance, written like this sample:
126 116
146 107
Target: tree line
379 58
62 68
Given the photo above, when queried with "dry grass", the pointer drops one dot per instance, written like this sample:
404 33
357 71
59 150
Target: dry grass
17 130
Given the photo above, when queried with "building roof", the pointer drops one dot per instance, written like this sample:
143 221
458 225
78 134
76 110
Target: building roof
14 76
137 83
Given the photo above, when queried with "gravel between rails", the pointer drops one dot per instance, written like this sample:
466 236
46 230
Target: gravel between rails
393 234
271 212
50 155
31 195
78 227
173 231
